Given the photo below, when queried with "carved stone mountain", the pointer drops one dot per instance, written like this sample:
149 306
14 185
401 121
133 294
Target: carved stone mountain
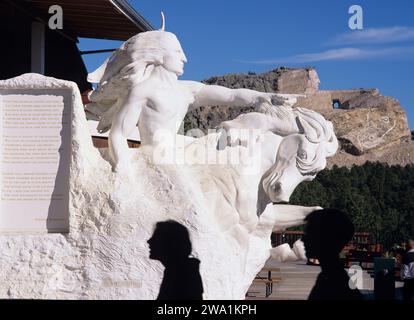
369 126
283 80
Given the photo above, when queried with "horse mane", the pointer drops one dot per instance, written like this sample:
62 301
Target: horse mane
313 126
304 121
283 113
320 131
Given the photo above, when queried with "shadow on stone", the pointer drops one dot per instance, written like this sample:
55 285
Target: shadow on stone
170 244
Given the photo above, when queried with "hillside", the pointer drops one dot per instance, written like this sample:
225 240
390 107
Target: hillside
369 125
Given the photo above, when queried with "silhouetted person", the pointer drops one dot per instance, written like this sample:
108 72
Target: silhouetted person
327 231
407 271
171 245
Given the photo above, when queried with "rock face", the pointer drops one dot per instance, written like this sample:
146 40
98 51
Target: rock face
398 154
283 80
365 121
368 128
105 255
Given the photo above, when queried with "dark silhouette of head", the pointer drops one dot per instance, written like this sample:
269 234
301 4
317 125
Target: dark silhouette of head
327 231
170 242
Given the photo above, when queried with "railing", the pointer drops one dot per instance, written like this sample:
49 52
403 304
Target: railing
291 237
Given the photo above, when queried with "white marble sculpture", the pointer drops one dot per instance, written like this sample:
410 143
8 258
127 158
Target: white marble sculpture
105 255
276 162
138 86
229 208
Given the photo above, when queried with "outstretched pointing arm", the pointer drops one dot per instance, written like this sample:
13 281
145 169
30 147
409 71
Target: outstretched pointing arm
212 95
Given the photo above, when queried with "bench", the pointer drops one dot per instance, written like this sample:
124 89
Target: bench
269 272
269 280
268 283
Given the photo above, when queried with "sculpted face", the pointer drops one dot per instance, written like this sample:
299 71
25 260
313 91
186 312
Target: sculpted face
174 57
285 175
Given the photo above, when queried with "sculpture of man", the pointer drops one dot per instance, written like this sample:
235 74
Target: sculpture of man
138 85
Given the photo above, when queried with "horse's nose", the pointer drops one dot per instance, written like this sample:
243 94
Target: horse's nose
277 187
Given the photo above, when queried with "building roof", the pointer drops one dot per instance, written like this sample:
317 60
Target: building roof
101 19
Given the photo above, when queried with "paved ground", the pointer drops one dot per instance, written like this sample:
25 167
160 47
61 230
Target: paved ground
297 282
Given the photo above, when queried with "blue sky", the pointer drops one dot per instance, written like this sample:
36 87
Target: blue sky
230 36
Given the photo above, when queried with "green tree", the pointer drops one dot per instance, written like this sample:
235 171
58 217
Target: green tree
378 198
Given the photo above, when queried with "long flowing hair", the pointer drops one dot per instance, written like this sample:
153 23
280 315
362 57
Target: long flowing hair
129 65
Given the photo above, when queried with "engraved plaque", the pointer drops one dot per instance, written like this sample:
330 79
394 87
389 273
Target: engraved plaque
35 159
